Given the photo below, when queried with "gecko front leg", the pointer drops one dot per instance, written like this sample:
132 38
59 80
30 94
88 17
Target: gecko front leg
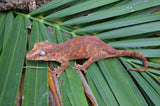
57 71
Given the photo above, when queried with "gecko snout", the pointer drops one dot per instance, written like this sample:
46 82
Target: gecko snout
30 57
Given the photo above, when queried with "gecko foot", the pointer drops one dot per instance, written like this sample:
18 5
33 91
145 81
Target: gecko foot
80 67
56 72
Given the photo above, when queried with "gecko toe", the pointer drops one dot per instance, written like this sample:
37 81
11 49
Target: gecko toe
56 73
80 67
85 71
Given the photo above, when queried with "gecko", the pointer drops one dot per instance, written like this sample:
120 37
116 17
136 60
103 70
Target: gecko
82 47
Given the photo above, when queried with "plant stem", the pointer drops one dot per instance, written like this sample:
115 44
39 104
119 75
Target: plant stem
45 22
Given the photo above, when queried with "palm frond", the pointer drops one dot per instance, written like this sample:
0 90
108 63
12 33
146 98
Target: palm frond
124 24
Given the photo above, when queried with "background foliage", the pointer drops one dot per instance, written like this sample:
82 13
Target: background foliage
124 24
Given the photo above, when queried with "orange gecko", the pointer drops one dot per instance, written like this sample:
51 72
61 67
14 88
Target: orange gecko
83 47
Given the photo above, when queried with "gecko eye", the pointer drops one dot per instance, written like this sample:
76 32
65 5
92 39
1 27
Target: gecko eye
42 53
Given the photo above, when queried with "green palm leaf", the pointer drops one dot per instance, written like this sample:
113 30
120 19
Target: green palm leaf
11 62
78 8
118 23
126 24
111 12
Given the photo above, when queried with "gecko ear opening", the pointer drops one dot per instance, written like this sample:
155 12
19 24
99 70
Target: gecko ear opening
53 54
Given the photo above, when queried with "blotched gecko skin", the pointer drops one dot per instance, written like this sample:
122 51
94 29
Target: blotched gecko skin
84 47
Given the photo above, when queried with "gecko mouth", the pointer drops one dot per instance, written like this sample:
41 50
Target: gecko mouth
28 58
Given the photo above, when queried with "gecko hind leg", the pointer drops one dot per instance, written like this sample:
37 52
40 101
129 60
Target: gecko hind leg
80 67
98 56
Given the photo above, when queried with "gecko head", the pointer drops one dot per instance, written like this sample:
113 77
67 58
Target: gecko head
43 51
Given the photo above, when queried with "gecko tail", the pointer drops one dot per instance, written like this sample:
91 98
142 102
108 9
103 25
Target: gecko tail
134 54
